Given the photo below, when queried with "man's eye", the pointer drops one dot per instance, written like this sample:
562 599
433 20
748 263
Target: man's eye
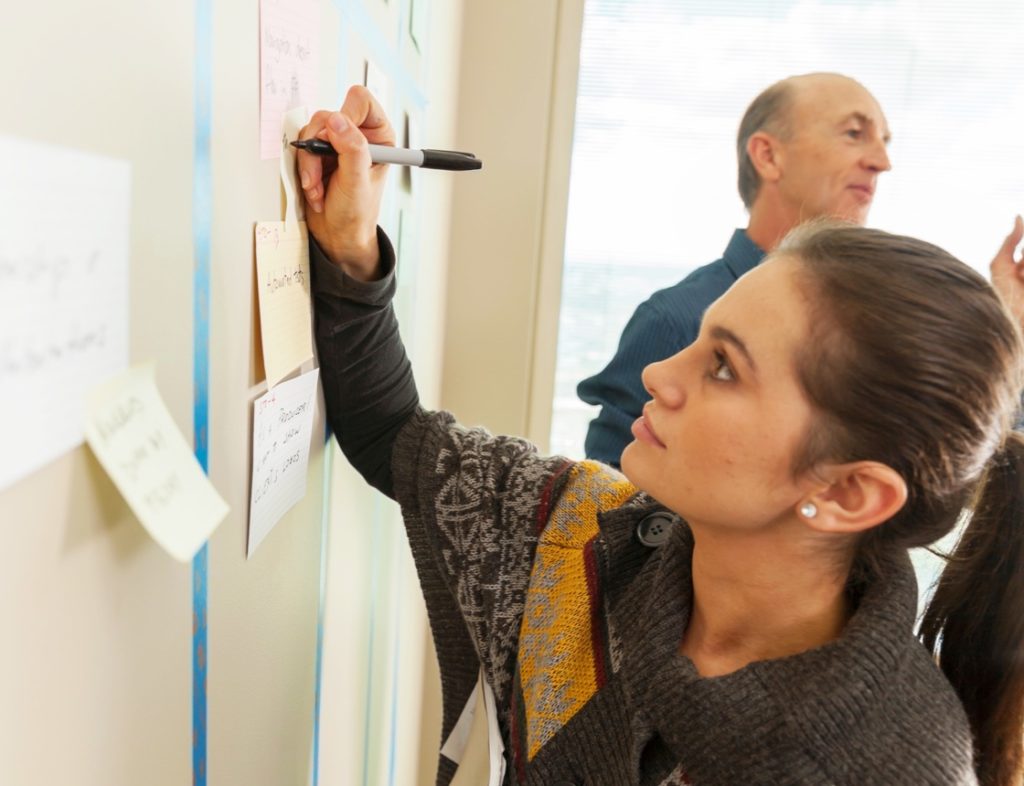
720 369
853 133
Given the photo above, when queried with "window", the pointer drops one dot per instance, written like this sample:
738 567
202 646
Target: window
662 87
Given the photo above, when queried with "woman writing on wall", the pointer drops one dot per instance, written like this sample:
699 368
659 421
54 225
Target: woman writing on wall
738 608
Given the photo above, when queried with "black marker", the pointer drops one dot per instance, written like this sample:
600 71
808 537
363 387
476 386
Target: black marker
385 154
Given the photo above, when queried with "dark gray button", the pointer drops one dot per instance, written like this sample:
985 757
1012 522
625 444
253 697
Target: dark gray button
653 530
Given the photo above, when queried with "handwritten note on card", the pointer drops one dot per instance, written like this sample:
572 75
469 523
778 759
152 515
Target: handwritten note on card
289 43
282 426
63 295
139 445
286 314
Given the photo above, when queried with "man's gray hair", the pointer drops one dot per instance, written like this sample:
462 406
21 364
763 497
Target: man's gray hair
768 112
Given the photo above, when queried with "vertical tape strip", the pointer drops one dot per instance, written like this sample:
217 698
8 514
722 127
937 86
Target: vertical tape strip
202 209
385 54
396 626
375 561
386 57
325 520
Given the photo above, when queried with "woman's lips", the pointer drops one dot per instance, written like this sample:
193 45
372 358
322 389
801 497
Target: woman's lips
644 432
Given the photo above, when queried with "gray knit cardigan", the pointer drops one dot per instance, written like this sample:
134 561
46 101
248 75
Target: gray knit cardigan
533 571
869 708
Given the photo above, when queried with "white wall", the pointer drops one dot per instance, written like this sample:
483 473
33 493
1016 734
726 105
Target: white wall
96 668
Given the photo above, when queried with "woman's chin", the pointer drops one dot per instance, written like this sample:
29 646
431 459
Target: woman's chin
627 461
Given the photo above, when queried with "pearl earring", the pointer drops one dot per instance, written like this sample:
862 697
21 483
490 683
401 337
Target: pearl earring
808 510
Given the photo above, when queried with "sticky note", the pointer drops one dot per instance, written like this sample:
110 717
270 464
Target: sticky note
139 445
282 280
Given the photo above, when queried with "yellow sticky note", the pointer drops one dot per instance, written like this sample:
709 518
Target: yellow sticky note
140 446
286 314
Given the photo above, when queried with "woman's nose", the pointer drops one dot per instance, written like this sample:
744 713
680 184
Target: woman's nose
664 380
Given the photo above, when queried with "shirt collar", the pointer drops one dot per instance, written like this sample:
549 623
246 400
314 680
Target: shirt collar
742 254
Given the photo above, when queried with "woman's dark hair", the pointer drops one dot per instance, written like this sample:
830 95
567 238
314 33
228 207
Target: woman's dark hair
914 361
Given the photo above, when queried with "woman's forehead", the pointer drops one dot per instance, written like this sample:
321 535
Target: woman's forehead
766 307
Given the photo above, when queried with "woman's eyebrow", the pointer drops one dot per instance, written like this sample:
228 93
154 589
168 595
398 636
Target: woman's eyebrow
724 334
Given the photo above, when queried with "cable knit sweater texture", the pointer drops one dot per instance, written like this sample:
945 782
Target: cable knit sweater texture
531 568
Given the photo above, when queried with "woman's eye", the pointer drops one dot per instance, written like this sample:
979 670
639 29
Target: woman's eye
853 133
720 369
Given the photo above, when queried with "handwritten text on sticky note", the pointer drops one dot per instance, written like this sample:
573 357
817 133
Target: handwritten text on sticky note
286 315
141 448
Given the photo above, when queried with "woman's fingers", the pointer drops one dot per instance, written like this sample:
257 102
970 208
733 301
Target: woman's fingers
368 116
312 175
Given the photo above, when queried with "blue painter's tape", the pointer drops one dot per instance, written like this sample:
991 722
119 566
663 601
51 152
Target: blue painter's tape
325 520
202 211
385 55
199 650
375 562
397 627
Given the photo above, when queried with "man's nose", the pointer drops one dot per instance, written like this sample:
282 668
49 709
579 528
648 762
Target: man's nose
877 158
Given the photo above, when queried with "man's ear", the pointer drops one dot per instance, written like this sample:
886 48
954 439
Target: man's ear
766 156
859 495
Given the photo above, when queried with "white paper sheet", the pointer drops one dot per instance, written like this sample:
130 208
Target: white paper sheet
64 240
282 429
141 448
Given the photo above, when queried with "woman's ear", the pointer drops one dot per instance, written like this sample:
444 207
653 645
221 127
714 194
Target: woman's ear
858 496
766 155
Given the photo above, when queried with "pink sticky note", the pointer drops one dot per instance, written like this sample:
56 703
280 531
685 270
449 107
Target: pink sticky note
289 59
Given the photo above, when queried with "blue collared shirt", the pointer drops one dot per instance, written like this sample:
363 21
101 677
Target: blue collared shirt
661 326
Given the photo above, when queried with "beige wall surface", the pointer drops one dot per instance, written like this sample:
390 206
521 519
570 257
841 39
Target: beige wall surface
517 100
95 666
96 670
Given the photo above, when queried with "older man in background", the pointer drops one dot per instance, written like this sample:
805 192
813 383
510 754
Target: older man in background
809 146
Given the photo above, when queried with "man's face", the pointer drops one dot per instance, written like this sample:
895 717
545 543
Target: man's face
836 149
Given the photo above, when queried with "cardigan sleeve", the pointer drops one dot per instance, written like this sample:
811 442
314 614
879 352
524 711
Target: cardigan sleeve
473 504
367 379
474 507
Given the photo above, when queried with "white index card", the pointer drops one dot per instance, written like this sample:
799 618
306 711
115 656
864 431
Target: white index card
282 429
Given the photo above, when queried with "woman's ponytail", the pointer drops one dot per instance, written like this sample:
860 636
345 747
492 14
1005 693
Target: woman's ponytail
913 361
974 624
